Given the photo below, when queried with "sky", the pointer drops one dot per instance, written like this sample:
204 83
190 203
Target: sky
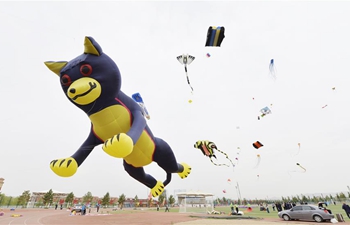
308 96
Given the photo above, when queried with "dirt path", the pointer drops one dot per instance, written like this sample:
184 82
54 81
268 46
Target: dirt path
127 217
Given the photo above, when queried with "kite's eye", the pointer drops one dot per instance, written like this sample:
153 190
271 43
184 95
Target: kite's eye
86 70
65 80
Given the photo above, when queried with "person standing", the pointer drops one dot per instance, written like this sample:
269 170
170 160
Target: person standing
231 206
97 206
236 208
279 206
249 207
267 208
346 208
166 208
83 209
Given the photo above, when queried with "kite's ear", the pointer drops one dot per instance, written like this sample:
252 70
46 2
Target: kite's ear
56 66
92 47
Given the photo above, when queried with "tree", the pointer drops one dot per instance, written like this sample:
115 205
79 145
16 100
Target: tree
161 199
69 199
136 201
304 199
337 196
2 199
87 197
283 199
171 200
295 199
105 199
24 198
48 197
341 196
326 199
331 197
9 201
121 201
224 200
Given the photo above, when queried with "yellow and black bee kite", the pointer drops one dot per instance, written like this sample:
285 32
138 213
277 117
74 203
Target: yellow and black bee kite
207 148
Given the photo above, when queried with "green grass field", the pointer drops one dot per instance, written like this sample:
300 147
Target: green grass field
273 214
262 214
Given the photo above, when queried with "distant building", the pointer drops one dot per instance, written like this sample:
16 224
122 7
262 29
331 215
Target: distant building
190 201
194 197
36 197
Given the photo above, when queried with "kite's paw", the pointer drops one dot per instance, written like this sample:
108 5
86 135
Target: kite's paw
119 146
157 189
64 167
186 171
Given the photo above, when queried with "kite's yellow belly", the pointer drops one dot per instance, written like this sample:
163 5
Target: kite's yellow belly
117 119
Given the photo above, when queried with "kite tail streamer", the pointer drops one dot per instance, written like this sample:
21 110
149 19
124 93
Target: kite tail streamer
188 79
226 157
302 168
220 164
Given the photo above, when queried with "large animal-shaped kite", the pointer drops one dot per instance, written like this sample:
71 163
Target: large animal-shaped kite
92 82
137 97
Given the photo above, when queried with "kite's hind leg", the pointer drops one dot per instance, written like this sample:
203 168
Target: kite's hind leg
165 158
138 173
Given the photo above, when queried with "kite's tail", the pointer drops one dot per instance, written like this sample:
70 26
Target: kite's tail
188 79
220 164
226 156
302 168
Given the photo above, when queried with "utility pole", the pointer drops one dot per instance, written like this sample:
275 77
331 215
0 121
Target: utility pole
239 192
1 183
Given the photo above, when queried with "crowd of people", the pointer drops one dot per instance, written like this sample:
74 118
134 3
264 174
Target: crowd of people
276 206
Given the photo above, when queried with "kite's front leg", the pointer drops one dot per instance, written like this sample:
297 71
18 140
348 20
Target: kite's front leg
67 167
118 146
121 145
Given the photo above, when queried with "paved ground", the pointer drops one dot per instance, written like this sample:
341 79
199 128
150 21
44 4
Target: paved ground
127 217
